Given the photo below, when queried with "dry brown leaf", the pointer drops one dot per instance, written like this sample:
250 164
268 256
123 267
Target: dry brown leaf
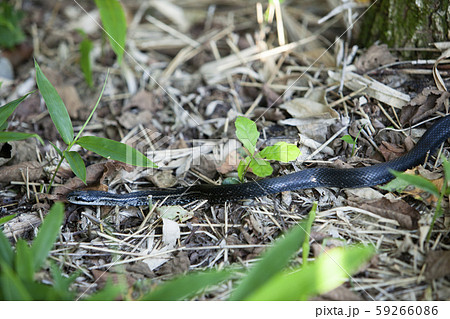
436 75
390 151
398 210
71 99
93 174
424 105
33 169
374 57
438 263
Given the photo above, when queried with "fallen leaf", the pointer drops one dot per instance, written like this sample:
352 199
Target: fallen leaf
376 56
32 170
398 210
437 264
424 105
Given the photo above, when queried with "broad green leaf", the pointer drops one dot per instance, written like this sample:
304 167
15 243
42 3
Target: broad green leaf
55 106
11 286
7 109
6 252
418 181
76 164
281 151
115 150
114 22
260 167
7 219
24 261
47 234
18 136
328 271
271 263
85 61
348 139
247 133
187 286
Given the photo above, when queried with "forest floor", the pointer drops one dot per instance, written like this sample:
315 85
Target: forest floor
189 69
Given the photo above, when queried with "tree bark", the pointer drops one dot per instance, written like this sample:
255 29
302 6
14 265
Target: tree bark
406 24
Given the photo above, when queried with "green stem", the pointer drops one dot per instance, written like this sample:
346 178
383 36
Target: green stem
54 175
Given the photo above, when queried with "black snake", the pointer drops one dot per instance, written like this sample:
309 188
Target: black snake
308 178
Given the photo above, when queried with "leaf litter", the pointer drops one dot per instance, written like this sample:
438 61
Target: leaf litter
214 65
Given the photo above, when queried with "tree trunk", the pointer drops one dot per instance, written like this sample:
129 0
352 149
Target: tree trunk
406 24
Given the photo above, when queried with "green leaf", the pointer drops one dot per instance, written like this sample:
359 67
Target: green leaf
446 165
7 109
6 252
348 139
60 153
76 164
85 61
55 106
11 286
417 181
260 167
61 284
247 133
7 218
11 32
281 151
328 271
114 22
187 286
24 261
271 263
18 136
242 167
109 293
311 217
115 150
47 234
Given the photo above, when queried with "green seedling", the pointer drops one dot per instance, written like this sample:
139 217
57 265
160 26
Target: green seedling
248 134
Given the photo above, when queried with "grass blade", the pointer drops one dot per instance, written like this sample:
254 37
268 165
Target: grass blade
55 106
18 136
47 234
24 261
418 181
7 109
109 293
85 61
115 150
6 219
6 252
11 286
187 286
272 262
327 272
114 22
76 164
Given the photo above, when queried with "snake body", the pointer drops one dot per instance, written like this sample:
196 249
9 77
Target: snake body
308 178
